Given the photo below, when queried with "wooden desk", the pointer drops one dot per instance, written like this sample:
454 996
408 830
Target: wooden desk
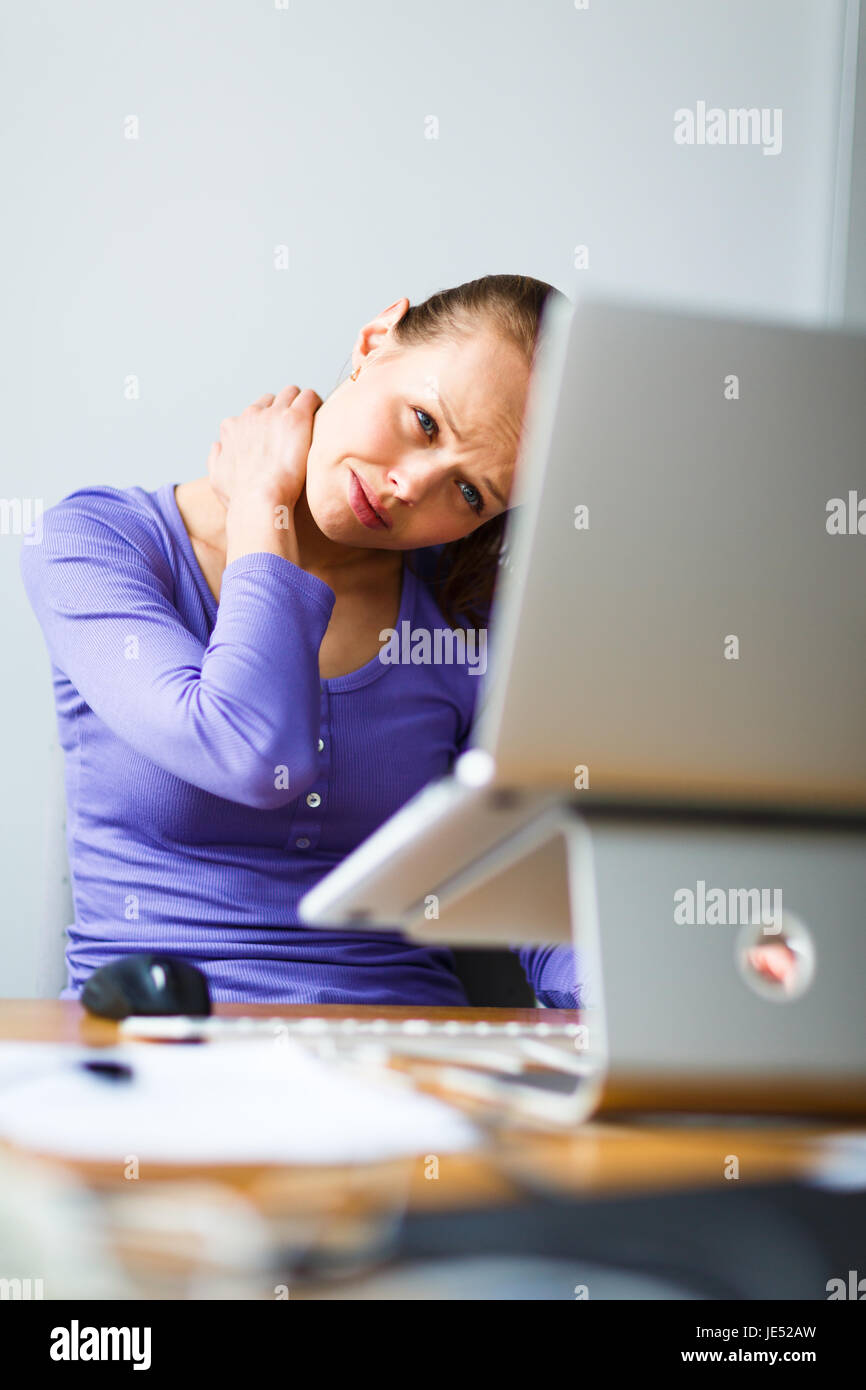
601 1158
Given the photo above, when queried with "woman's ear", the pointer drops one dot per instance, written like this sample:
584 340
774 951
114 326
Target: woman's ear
373 334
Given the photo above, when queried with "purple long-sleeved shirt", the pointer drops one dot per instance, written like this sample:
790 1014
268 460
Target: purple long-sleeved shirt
212 776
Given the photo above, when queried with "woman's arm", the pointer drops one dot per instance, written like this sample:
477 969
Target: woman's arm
226 717
554 973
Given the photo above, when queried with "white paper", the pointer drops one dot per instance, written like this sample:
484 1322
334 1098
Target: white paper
265 1101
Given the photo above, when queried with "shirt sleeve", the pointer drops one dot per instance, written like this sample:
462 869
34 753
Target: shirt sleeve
554 973
239 717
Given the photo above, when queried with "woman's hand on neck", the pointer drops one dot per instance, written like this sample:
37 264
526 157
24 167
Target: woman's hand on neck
204 516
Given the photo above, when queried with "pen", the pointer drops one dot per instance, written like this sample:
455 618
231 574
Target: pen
109 1071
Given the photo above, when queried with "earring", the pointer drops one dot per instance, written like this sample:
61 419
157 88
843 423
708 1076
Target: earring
355 373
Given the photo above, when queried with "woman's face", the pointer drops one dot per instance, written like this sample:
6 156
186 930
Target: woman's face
430 434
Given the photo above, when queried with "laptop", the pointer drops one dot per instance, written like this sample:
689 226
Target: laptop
675 696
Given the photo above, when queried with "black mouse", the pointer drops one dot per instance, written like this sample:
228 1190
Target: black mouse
146 984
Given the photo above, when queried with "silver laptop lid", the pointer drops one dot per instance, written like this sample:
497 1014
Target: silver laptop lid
684 618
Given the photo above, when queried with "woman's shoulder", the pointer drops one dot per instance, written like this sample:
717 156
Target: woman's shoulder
102 500
102 520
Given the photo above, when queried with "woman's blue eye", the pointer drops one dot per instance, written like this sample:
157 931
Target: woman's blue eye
478 505
429 433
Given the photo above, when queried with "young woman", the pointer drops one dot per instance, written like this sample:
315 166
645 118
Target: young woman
229 728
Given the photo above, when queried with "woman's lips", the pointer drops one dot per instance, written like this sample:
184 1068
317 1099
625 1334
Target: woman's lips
360 505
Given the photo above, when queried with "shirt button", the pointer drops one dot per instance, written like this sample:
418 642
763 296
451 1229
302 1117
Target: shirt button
303 842
320 745
314 799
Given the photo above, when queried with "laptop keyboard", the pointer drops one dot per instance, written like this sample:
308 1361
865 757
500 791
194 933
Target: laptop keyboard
452 1030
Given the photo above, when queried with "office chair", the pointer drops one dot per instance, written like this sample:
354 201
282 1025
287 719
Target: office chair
493 978
57 907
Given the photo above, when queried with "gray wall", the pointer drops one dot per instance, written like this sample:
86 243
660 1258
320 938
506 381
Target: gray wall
305 126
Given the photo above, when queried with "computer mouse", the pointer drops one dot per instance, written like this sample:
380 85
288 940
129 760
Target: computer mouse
146 984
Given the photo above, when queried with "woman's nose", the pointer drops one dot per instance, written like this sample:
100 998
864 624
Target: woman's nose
412 481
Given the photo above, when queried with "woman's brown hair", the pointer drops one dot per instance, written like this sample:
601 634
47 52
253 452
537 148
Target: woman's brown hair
466 572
